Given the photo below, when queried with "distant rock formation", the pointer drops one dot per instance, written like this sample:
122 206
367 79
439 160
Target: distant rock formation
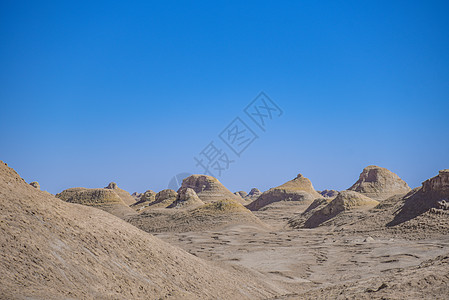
209 216
431 196
166 196
242 194
321 210
57 250
35 184
149 196
299 189
379 183
208 188
105 199
253 194
136 196
126 197
145 200
187 198
329 193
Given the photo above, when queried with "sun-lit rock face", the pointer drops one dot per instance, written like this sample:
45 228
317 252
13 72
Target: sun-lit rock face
208 188
298 189
104 199
379 183
348 200
187 198
124 195
437 184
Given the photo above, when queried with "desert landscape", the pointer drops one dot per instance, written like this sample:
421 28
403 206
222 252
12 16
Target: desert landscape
225 150
379 239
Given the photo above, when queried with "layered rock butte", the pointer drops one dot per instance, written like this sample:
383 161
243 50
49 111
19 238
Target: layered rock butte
379 183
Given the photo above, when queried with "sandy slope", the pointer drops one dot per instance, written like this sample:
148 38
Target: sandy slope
51 249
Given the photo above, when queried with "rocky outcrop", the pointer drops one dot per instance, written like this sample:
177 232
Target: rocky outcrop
379 183
348 200
299 189
208 188
136 196
241 194
187 198
253 194
438 185
149 196
431 196
124 195
35 184
329 193
321 210
146 199
164 198
105 199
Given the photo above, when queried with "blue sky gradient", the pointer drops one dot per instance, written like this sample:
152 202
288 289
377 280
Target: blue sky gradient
131 92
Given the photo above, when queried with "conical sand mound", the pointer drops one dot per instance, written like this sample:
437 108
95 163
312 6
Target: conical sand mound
299 189
321 210
209 216
208 188
379 183
57 250
124 195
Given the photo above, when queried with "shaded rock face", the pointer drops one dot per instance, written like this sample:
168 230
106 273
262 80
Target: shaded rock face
187 198
136 196
35 184
111 186
299 189
124 195
379 183
431 196
208 188
329 193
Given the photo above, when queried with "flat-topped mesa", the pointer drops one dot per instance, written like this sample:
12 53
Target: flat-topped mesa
90 197
379 183
299 189
104 199
124 195
208 188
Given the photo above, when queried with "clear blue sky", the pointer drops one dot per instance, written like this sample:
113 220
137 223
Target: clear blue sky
93 91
